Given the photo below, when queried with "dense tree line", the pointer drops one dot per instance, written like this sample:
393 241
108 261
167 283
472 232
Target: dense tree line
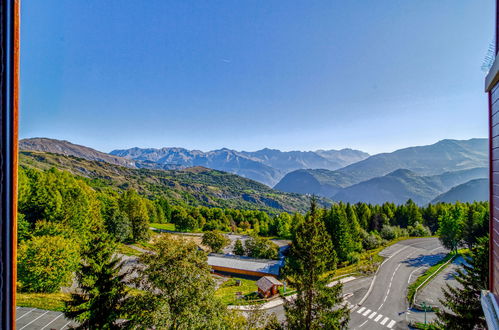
57 208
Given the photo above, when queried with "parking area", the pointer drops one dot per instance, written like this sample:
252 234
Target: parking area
39 319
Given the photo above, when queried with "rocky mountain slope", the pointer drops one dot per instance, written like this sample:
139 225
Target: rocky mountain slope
267 166
191 186
70 149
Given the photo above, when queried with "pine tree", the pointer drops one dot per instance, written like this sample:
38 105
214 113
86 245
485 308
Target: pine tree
339 229
238 248
355 229
101 287
311 257
462 305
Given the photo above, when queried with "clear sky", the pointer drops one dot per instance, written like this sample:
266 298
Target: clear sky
247 74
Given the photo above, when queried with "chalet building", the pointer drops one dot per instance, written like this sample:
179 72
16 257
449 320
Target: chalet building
268 286
490 297
245 266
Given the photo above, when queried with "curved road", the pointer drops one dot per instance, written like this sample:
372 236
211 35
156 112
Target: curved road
379 302
384 305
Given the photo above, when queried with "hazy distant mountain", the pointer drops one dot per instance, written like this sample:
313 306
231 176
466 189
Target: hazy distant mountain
474 190
401 185
443 156
70 149
267 166
287 161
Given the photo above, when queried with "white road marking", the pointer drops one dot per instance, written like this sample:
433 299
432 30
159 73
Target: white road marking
20 317
360 326
366 312
374 278
391 324
372 315
389 286
384 321
378 317
46 325
361 310
65 325
33 320
410 276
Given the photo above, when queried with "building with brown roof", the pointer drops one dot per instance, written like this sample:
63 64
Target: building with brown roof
268 286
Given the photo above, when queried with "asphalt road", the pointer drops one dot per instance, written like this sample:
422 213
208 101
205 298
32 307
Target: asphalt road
385 305
379 302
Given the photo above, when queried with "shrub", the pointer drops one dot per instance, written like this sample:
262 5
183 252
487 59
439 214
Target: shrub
46 263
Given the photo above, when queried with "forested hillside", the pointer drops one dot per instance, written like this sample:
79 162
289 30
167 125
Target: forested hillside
193 186
473 190
401 185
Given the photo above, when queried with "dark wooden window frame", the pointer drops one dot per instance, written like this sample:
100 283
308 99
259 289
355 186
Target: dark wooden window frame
9 85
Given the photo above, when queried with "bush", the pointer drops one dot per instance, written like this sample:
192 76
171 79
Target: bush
388 233
260 247
418 230
371 241
215 240
46 263
353 258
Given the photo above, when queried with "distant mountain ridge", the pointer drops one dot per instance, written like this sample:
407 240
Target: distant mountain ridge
267 166
421 173
443 156
67 148
473 190
401 185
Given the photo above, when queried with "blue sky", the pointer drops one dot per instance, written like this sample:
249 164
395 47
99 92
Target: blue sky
293 75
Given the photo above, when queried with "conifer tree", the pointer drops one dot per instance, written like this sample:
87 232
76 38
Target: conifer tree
463 309
354 227
238 248
317 305
101 288
339 229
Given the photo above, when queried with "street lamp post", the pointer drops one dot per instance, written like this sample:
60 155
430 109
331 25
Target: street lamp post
424 305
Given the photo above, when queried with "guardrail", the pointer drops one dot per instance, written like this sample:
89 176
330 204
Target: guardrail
429 278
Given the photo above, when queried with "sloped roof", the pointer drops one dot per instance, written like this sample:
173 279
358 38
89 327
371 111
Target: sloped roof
265 266
266 282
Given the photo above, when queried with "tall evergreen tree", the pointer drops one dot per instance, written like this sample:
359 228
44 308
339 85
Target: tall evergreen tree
355 230
101 289
339 229
462 305
317 305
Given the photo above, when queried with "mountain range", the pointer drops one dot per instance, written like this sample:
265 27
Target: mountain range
267 166
443 156
422 173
